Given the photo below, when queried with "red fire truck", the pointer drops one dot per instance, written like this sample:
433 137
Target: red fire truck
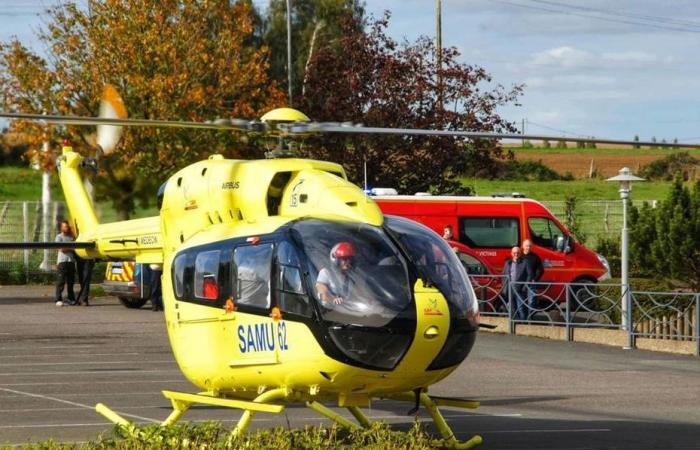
491 226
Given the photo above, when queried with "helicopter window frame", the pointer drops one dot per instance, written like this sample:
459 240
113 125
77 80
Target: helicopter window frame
179 272
186 273
235 285
285 293
199 283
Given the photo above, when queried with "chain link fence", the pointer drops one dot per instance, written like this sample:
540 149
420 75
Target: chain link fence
595 218
671 316
28 222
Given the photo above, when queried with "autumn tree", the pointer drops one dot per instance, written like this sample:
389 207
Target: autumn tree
315 24
171 59
373 80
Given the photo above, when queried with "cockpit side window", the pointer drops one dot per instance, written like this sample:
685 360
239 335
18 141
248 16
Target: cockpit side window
357 275
435 262
252 275
289 286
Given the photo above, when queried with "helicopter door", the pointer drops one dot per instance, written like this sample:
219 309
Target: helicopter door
289 286
256 332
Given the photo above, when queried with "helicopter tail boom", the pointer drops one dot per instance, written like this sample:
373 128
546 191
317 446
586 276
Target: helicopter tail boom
138 239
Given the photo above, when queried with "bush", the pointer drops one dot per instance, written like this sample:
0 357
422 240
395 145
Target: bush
562 144
610 248
212 435
527 170
668 167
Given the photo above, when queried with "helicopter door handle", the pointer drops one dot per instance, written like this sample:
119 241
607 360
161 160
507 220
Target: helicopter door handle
431 332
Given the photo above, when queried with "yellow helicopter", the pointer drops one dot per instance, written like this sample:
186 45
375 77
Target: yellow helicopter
283 282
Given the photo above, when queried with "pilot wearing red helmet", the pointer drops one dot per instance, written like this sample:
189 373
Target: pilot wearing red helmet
335 284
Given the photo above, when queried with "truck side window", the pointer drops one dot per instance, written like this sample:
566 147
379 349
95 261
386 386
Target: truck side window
206 275
490 232
252 275
289 286
545 233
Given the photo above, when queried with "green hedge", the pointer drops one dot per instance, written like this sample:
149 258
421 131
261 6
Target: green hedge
212 435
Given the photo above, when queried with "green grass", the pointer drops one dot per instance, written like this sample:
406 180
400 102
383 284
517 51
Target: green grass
24 184
594 189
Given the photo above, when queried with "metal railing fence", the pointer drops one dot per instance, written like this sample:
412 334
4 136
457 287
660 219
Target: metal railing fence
671 316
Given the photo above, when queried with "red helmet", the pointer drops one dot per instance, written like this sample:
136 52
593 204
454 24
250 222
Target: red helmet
342 250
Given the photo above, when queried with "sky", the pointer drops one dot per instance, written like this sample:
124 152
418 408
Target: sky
590 67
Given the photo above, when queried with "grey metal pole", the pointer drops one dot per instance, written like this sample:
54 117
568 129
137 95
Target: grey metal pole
697 325
567 312
45 211
626 297
438 50
25 235
289 49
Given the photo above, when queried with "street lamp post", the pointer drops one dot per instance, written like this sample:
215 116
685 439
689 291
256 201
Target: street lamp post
625 178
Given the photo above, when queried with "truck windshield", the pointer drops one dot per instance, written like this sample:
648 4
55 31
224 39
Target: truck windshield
436 262
358 275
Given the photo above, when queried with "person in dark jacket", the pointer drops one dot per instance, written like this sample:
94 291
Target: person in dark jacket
518 273
536 267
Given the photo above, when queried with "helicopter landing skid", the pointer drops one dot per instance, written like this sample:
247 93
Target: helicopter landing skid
431 404
182 401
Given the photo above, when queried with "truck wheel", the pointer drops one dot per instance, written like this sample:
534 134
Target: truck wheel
134 303
586 297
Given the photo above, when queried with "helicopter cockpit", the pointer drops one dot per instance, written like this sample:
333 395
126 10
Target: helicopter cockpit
350 283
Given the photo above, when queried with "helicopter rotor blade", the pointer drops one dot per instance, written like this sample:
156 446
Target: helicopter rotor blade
218 124
46 245
345 128
111 107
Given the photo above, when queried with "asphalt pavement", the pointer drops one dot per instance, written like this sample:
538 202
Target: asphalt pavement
57 363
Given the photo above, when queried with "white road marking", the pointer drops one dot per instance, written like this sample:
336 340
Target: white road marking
94 382
572 430
92 372
82 363
68 402
257 419
71 354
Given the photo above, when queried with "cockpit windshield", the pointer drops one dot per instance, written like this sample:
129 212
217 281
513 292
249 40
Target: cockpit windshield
435 261
358 275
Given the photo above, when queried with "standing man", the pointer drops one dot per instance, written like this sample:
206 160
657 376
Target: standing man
533 261
156 291
518 272
85 267
536 268
447 233
65 266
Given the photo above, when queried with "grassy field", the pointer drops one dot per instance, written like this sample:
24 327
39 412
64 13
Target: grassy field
606 161
23 183
590 189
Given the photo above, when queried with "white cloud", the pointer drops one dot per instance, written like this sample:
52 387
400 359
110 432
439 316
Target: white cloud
570 58
565 57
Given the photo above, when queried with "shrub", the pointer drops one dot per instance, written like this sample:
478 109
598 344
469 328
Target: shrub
610 248
527 170
668 167
212 435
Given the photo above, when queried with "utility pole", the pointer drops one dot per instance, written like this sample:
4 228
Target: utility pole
438 51
522 131
289 49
